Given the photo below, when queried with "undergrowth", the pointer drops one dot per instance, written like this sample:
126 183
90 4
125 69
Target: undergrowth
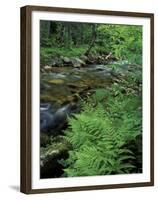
106 135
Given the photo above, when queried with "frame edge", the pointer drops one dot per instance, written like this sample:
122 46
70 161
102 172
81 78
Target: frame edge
152 98
87 11
25 98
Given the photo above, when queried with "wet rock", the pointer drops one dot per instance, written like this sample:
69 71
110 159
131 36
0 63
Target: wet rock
46 121
44 140
91 60
50 122
54 63
99 67
66 60
57 62
72 86
101 59
58 75
76 62
44 86
44 98
56 81
84 58
47 68
49 156
45 106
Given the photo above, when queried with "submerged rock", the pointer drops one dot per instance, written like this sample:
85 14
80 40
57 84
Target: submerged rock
56 81
45 106
44 86
50 122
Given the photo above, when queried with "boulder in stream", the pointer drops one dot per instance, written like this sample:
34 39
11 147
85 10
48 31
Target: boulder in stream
76 62
47 68
51 123
66 60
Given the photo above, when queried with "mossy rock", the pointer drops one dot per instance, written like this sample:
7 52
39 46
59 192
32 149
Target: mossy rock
49 156
46 98
44 139
56 81
58 145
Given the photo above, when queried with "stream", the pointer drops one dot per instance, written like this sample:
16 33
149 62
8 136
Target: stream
66 84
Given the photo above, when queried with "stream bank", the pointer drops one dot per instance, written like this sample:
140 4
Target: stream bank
61 91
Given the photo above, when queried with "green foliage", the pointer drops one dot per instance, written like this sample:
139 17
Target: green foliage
125 42
47 53
99 135
73 39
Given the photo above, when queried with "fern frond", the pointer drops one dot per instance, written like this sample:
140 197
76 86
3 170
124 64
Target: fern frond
101 132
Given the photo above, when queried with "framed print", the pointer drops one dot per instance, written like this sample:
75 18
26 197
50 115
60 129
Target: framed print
87 106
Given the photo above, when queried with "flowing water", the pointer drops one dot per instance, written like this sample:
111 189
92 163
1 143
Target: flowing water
66 84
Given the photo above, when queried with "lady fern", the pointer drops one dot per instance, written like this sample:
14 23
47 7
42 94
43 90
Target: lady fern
100 133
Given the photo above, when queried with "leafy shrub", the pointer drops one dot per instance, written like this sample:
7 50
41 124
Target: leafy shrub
125 42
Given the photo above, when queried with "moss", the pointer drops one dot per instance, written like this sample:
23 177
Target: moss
46 98
44 139
58 146
56 81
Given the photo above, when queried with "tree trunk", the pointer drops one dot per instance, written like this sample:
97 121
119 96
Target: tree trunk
92 41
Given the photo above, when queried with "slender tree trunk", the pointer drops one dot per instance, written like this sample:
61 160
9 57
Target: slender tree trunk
92 41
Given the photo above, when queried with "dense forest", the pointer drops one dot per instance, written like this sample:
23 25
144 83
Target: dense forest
76 39
91 99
